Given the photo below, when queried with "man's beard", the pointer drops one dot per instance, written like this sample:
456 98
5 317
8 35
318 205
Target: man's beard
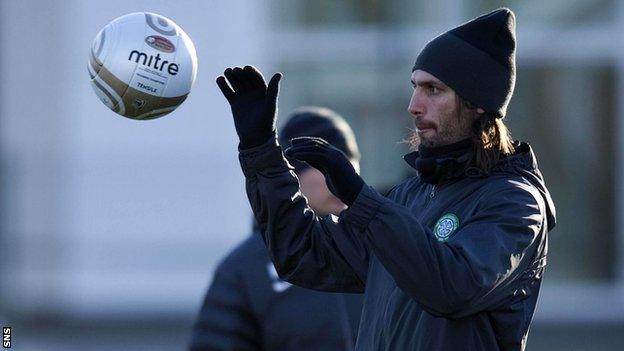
450 129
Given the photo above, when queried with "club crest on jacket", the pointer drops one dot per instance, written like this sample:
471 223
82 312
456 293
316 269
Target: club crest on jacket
445 226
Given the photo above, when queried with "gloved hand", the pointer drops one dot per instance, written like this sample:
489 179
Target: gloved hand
340 176
254 105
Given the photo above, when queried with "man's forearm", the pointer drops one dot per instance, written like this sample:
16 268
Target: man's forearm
316 253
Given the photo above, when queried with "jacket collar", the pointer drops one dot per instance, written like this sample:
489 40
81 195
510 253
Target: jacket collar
441 163
450 164
523 157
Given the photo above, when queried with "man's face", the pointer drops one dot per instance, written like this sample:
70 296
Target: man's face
436 111
321 200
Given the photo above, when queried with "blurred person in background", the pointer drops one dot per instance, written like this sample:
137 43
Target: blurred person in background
451 259
248 307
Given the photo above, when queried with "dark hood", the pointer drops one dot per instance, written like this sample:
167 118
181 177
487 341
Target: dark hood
523 162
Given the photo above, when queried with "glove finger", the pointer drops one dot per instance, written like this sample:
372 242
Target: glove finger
299 140
313 157
294 150
302 148
314 143
320 143
225 87
255 77
242 79
306 140
273 88
325 155
322 154
233 79
307 158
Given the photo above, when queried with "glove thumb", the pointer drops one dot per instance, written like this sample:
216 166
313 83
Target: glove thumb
273 88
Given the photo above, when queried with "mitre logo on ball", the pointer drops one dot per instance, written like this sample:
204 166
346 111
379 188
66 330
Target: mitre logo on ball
142 65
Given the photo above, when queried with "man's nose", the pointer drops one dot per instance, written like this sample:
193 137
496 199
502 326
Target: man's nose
416 105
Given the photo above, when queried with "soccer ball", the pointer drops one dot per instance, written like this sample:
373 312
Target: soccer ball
142 65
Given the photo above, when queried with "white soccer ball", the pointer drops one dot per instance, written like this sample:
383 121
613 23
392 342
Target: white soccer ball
142 65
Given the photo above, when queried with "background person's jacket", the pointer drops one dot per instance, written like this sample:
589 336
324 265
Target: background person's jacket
456 266
248 307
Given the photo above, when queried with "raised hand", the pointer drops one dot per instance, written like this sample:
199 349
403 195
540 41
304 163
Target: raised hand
253 103
340 175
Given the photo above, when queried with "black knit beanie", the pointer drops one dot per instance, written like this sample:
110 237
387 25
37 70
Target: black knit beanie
477 60
322 123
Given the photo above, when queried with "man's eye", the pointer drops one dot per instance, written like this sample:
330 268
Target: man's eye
433 90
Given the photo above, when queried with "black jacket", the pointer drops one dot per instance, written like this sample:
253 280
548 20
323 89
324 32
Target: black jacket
452 267
248 307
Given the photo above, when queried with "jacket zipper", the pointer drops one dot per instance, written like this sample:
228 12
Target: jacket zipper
430 196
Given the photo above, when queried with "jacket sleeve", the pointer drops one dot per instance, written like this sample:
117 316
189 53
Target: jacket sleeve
226 321
475 269
308 251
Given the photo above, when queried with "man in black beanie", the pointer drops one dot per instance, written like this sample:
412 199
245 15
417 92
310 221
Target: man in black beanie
451 259
247 307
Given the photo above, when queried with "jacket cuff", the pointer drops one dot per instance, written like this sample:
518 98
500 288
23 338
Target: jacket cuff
364 208
266 156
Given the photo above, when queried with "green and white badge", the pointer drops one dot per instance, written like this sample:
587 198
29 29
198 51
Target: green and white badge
445 226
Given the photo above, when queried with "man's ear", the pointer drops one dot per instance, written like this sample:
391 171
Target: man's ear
480 111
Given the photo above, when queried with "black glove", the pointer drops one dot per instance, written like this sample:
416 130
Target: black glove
254 105
340 176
